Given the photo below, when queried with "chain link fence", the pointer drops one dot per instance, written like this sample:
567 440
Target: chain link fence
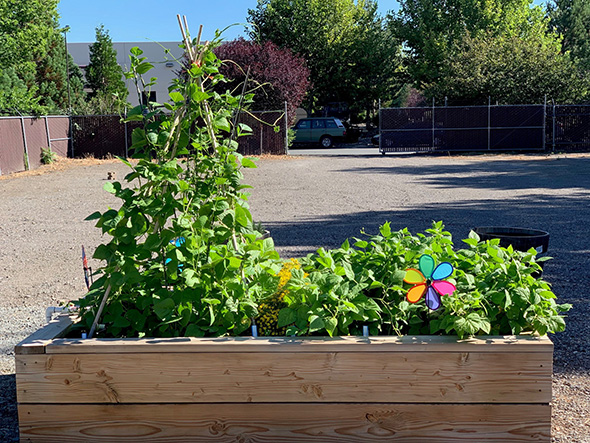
463 128
23 138
101 136
569 128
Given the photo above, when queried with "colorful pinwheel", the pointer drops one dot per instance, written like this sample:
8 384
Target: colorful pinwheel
429 280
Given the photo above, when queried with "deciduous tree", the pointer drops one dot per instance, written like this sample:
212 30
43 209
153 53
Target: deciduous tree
343 42
281 75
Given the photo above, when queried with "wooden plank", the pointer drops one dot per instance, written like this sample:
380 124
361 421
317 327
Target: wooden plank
524 343
279 423
36 342
413 377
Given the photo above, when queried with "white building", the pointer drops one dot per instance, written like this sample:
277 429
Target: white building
165 66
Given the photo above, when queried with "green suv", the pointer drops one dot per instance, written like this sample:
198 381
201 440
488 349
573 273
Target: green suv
319 130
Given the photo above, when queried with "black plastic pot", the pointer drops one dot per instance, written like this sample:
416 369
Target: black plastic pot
521 239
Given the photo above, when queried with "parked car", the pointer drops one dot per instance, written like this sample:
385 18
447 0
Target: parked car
324 131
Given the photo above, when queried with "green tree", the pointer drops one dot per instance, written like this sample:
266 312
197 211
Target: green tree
432 30
373 62
571 18
511 70
26 27
52 78
330 35
104 75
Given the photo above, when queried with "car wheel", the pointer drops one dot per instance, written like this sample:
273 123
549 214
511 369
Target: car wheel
326 141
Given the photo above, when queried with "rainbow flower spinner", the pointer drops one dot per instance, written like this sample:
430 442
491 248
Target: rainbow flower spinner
429 280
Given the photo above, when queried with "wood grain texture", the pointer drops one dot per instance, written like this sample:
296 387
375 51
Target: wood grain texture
36 342
279 423
414 377
523 343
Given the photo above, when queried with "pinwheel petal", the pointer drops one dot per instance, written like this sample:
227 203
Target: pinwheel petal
426 265
443 287
416 293
414 277
432 299
442 271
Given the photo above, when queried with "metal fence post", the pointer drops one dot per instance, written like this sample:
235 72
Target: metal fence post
22 125
545 124
126 136
380 138
286 129
433 141
47 131
489 123
554 126
261 137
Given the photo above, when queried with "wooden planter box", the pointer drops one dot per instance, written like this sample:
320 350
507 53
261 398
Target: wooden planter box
418 389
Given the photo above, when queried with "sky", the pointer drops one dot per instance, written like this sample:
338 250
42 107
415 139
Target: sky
138 21
155 20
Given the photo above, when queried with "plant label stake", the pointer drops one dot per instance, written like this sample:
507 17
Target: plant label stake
87 270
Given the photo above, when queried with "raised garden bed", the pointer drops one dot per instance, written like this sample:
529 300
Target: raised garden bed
412 388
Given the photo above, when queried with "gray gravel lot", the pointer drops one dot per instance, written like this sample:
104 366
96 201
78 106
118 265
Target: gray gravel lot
314 201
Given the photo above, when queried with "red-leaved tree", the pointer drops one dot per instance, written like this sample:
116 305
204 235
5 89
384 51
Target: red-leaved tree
283 75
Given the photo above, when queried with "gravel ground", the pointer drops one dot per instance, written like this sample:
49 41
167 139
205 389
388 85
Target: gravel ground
308 202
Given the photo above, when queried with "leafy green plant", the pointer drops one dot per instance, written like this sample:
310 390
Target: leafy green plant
183 258
48 156
350 287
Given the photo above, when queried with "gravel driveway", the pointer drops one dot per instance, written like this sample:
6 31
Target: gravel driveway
308 202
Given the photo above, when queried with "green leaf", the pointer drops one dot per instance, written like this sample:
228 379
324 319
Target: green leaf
286 317
247 163
176 97
93 216
164 308
222 123
109 187
144 67
316 323
331 324
199 96
242 216
385 230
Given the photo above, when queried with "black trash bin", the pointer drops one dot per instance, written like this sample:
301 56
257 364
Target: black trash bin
521 239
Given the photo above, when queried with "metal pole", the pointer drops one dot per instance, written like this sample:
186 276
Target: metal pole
545 123
22 125
433 123
286 129
554 125
380 134
126 135
261 136
47 131
489 123
66 29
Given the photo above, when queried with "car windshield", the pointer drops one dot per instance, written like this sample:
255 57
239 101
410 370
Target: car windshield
339 123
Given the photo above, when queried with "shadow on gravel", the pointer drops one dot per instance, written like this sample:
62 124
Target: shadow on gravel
553 173
564 217
8 410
